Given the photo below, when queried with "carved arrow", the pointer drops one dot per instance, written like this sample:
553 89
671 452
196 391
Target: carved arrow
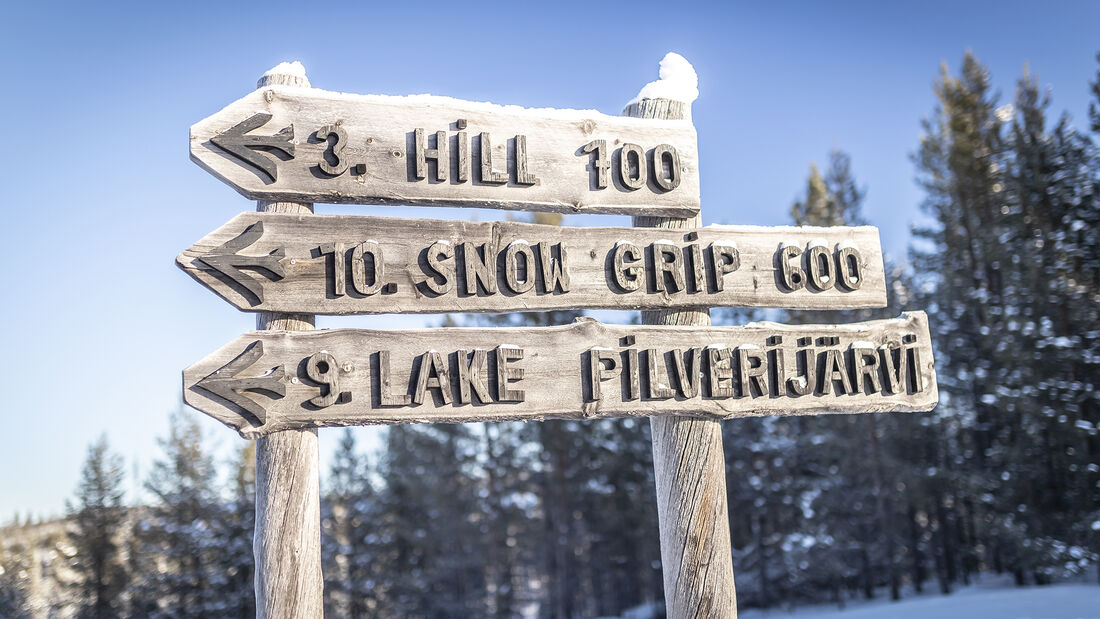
225 384
225 259
234 141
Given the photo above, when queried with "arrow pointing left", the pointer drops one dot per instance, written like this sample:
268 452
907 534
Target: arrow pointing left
234 141
225 383
229 263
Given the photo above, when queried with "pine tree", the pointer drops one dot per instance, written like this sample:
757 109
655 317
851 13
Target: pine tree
15 581
1012 283
98 514
178 549
429 523
1094 106
353 558
235 525
625 515
833 200
1050 236
816 485
566 505
962 164
1082 242
510 525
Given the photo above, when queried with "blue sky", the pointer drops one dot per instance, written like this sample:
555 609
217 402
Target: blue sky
100 194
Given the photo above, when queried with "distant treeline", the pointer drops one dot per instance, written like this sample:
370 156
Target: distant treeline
558 519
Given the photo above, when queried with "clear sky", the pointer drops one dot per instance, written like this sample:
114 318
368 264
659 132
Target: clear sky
100 195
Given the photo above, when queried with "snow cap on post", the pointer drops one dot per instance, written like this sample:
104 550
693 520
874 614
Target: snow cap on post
284 74
677 82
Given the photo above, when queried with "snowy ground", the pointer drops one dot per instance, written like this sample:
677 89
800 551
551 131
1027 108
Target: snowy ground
1063 601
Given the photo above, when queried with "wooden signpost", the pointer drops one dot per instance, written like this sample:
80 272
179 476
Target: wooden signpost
288 145
326 264
293 144
267 381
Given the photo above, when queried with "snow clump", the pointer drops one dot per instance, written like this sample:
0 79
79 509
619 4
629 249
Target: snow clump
678 81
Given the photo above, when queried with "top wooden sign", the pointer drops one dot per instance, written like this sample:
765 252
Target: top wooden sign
310 145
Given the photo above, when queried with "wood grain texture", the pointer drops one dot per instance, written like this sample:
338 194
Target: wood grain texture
301 249
689 467
287 539
387 167
555 363
287 542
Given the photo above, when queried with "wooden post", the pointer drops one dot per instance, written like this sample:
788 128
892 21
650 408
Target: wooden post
287 543
689 466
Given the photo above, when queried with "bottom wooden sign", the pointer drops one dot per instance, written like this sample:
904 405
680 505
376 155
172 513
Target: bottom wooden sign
266 381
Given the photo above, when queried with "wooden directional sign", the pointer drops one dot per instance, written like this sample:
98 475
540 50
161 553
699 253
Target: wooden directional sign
266 381
324 264
311 145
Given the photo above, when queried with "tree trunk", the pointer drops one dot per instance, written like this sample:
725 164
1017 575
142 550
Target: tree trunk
914 549
882 511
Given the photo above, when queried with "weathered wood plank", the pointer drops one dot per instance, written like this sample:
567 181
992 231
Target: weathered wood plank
311 145
582 371
327 264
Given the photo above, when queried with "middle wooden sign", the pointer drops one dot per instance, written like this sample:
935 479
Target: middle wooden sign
328 264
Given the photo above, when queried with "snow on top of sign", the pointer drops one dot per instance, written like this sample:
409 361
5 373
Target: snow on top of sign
483 106
776 230
590 118
519 242
678 81
294 69
863 344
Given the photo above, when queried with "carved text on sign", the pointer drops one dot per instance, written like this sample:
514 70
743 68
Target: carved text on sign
754 371
819 266
636 166
436 158
815 367
584 370
345 265
434 155
438 151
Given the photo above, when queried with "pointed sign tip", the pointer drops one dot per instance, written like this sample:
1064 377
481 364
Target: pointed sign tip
226 384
